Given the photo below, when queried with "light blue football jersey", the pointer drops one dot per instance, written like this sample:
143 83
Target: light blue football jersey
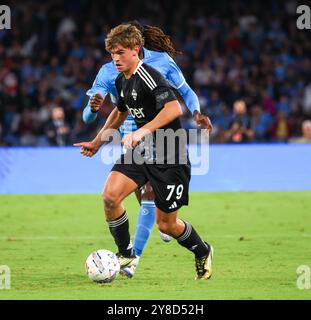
104 82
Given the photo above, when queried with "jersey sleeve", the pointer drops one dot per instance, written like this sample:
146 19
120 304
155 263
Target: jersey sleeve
177 79
174 75
119 102
99 84
190 98
160 88
163 95
88 115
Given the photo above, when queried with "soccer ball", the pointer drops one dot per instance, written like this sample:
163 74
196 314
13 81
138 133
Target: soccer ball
102 266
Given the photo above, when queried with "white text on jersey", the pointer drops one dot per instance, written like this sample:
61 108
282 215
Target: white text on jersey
136 112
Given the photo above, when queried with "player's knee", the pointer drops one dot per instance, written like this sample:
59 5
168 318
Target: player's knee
147 192
165 227
110 199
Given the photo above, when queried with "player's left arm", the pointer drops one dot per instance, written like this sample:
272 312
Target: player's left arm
171 111
176 77
97 94
117 117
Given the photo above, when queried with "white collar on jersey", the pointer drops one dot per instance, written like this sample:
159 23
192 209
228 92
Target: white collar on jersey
138 66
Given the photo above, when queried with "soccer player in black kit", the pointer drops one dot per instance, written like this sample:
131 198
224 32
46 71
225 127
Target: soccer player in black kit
152 103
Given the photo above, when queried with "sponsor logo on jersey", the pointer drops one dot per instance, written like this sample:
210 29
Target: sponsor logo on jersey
136 113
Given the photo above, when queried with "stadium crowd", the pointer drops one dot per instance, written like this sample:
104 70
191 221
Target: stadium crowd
249 65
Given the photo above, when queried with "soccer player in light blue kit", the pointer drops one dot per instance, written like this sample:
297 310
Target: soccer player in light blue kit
158 55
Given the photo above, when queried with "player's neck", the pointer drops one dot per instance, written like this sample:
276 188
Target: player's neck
128 73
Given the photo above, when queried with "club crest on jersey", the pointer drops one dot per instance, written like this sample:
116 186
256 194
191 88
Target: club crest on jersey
134 94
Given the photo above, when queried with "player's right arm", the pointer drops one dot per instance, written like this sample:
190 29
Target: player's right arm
114 121
91 147
97 96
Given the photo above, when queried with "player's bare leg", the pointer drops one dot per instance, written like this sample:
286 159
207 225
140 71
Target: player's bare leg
187 237
146 193
145 223
169 223
117 187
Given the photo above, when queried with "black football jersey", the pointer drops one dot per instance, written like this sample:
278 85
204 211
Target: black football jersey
144 96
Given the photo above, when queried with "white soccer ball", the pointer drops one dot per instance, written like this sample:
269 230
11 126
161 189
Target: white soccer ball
102 266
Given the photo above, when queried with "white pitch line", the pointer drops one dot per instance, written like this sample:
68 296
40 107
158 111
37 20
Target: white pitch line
105 236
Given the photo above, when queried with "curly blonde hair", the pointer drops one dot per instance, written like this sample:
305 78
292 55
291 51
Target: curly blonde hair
125 35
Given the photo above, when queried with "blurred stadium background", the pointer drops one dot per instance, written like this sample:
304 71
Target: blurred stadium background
251 68
231 51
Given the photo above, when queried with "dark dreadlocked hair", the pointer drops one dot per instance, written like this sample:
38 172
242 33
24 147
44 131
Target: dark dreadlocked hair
155 38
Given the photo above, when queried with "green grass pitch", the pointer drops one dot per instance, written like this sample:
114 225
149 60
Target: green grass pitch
259 238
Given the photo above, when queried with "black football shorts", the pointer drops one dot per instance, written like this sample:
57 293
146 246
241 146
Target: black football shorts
170 183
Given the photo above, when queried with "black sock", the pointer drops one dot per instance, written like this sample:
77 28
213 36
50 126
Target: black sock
120 231
192 241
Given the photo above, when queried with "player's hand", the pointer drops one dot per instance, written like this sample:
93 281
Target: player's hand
88 149
130 140
203 121
96 101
